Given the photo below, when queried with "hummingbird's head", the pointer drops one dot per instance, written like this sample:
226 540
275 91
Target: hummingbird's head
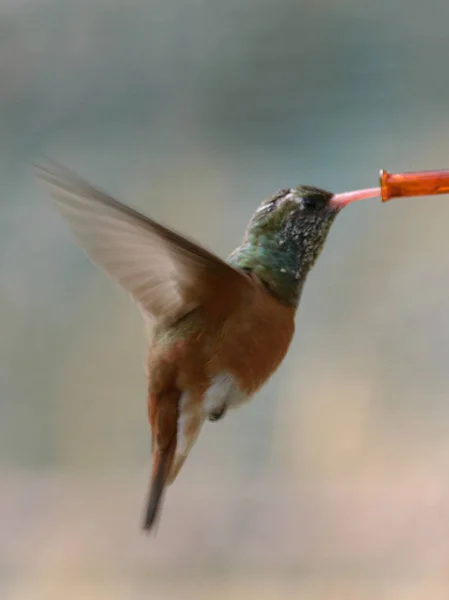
286 235
297 219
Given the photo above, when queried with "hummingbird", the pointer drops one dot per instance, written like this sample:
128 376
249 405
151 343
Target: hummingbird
218 329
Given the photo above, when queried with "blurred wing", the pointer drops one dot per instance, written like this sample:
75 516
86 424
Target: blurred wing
166 274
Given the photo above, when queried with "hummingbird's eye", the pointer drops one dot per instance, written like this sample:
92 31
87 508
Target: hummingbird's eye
313 202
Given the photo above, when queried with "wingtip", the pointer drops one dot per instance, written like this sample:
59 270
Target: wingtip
49 171
44 163
39 170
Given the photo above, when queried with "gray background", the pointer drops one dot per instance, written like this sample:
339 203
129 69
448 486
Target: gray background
333 482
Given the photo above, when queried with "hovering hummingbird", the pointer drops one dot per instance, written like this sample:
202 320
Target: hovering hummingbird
218 329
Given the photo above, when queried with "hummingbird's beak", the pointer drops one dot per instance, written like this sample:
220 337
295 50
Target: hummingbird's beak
345 198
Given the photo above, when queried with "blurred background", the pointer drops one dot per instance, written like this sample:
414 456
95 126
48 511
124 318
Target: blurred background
334 481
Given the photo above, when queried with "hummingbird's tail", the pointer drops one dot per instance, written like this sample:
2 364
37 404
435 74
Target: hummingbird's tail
163 409
162 462
176 418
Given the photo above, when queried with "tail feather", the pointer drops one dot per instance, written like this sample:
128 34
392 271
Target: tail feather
161 468
163 411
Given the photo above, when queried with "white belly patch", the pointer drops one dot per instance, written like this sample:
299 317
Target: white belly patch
222 391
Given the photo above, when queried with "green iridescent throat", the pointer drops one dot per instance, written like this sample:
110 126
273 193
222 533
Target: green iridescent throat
274 266
281 249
